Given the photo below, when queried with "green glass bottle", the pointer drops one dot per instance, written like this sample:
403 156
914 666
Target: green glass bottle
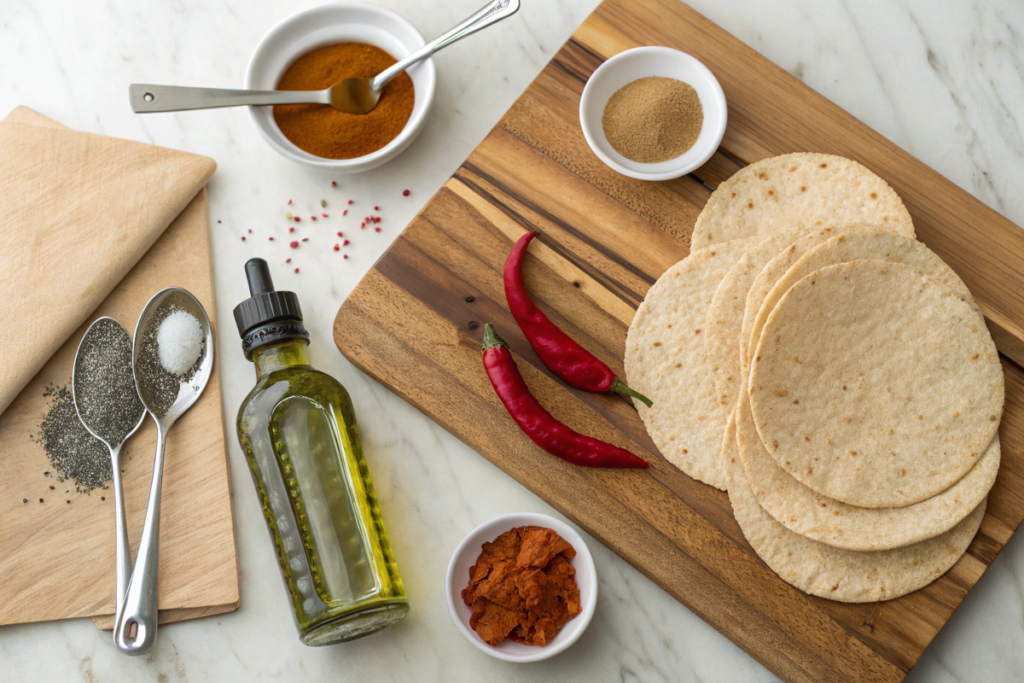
298 430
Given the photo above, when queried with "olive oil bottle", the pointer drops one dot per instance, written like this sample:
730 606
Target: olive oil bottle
298 430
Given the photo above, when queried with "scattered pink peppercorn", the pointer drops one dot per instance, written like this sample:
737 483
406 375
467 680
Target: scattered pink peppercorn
291 229
345 212
243 238
334 184
350 202
341 234
305 239
294 245
324 215
405 193
345 243
289 202
271 239
296 270
344 256
287 260
297 219
376 208
337 248
377 229
250 231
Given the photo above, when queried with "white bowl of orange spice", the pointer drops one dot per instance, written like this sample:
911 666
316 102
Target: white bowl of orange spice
522 587
320 46
653 113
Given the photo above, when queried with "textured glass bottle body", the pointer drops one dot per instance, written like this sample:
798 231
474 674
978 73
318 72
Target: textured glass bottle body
298 431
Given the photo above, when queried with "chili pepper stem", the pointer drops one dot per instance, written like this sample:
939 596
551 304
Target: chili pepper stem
491 338
619 387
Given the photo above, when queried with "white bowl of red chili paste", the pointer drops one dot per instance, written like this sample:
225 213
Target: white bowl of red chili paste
522 575
328 25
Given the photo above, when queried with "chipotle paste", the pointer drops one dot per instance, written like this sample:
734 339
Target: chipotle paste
522 587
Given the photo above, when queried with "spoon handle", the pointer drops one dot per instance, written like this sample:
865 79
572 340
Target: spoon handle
491 13
135 629
147 98
124 553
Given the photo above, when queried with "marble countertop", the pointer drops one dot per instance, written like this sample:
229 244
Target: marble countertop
944 80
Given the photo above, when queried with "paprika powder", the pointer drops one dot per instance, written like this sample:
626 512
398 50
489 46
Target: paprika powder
326 132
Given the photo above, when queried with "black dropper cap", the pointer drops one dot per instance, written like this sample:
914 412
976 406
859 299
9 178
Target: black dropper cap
269 316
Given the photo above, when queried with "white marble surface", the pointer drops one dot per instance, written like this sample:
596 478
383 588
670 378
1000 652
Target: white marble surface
943 79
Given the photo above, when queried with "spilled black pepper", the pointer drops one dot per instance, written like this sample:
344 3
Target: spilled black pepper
74 453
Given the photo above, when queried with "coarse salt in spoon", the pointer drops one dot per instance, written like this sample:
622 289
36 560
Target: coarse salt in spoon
166 395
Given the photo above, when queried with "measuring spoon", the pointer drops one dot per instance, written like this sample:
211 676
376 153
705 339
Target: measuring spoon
166 398
101 342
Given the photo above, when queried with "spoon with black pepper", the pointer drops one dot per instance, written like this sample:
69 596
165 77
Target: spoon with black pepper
103 388
167 393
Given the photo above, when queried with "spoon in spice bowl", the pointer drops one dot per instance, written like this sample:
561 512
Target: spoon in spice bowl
173 361
352 95
107 403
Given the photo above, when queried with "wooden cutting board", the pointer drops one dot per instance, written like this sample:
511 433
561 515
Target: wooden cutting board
415 324
58 552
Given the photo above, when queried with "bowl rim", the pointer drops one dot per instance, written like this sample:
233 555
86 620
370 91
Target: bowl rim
717 93
398 144
583 563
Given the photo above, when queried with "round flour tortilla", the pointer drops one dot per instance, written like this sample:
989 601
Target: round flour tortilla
837 524
843 575
874 385
848 247
798 190
770 274
665 361
725 316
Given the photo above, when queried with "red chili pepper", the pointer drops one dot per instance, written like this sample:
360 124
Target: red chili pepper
544 430
557 350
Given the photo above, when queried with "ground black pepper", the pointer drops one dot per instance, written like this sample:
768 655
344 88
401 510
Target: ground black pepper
74 453
104 386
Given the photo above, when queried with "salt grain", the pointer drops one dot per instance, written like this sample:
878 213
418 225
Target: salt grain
179 342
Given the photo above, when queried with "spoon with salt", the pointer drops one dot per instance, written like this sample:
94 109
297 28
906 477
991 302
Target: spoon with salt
173 361
352 95
107 403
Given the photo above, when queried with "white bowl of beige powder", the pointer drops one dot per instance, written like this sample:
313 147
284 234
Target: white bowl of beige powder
653 113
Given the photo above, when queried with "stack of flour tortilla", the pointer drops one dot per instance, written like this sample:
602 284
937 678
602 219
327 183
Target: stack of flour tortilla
832 373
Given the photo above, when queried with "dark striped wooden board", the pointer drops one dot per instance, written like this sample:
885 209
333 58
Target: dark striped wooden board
416 320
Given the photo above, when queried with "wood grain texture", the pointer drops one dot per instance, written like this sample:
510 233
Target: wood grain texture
604 240
58 557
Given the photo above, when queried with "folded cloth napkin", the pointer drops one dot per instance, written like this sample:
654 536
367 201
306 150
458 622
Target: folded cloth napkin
78 211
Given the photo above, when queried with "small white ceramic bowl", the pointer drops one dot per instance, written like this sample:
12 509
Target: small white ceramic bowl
641 62
465 557
327 25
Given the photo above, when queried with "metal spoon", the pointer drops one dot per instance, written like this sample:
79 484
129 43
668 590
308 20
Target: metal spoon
135 629
352 95
92 407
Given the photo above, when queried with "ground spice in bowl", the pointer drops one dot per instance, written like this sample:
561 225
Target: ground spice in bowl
326 132
653 119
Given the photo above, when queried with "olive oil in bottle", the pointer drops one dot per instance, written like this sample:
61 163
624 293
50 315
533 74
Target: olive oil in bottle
298 430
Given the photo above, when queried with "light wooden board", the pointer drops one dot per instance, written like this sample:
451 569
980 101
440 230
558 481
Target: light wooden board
604 241
58 557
